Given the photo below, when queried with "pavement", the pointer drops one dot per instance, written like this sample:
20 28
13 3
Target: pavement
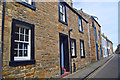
89 69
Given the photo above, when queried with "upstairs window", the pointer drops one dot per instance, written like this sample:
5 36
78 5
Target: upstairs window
80 24
82 50
99 35
62 13
73 48
27 1
95 33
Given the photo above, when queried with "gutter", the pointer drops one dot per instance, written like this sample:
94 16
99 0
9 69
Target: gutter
2 39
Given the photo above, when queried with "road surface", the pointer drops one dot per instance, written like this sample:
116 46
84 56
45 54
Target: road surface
111 69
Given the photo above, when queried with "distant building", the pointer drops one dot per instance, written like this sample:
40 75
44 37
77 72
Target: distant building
95 36
107 46
104 43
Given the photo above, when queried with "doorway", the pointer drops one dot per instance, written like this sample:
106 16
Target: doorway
64 52
97 51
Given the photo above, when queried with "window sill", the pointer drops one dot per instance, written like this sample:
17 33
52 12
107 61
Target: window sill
73 56
82 56
81 31
63 22
19 63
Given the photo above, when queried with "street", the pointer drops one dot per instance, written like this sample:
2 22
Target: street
109 69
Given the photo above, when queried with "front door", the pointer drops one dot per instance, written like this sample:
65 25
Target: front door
97 51
64 52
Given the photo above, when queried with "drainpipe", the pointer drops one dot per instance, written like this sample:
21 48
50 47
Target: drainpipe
89 42
2 38
70 48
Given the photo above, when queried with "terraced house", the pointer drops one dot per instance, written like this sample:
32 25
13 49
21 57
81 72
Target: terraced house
98 40
96 50
42 39
107 46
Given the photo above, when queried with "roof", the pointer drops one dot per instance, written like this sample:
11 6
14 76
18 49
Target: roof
75 12
95 21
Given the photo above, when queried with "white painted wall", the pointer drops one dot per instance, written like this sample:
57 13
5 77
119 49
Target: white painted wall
104 43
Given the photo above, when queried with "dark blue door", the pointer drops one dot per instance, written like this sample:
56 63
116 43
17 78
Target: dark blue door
97 51
101 50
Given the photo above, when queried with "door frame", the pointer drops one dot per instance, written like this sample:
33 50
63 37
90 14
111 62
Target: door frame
66 36
97 51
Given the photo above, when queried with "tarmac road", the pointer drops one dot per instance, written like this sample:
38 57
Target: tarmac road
110 69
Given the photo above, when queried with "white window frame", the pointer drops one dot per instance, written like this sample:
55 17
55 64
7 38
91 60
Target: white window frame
80 24
62 12
29 1
73 47
28 57
82 49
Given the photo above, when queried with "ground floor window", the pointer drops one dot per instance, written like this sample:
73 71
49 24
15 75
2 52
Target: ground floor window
22 42
82 50
73 48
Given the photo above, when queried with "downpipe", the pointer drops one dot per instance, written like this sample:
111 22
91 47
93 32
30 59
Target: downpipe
89 43
2 39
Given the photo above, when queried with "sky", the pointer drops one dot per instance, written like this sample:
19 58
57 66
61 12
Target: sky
107 13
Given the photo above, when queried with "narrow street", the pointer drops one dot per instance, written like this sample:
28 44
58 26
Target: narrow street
109 69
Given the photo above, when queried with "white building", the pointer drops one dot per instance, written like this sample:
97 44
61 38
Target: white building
105 46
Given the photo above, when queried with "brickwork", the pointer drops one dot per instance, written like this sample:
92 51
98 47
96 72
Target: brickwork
47 29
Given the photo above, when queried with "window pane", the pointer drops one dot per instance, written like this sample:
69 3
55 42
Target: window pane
16 45
16 37
15 53
25 46
25 52
20 52
27 31
17 29
26 38
82 49
21 37
22 30
20 45
61 16
61 9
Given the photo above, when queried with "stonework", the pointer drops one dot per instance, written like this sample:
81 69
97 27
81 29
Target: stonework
47 39
47 50
92 36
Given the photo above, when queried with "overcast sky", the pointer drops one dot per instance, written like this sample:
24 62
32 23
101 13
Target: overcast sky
107 13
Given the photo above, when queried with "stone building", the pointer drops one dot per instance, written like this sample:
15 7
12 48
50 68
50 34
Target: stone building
43 39
95 37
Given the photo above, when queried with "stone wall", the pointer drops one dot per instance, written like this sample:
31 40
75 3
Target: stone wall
47 29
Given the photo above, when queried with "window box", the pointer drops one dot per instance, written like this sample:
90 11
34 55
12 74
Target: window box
22 40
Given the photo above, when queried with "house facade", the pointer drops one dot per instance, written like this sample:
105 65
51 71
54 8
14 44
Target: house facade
43 39
107 46
98 40
104 42
110 47
95 37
